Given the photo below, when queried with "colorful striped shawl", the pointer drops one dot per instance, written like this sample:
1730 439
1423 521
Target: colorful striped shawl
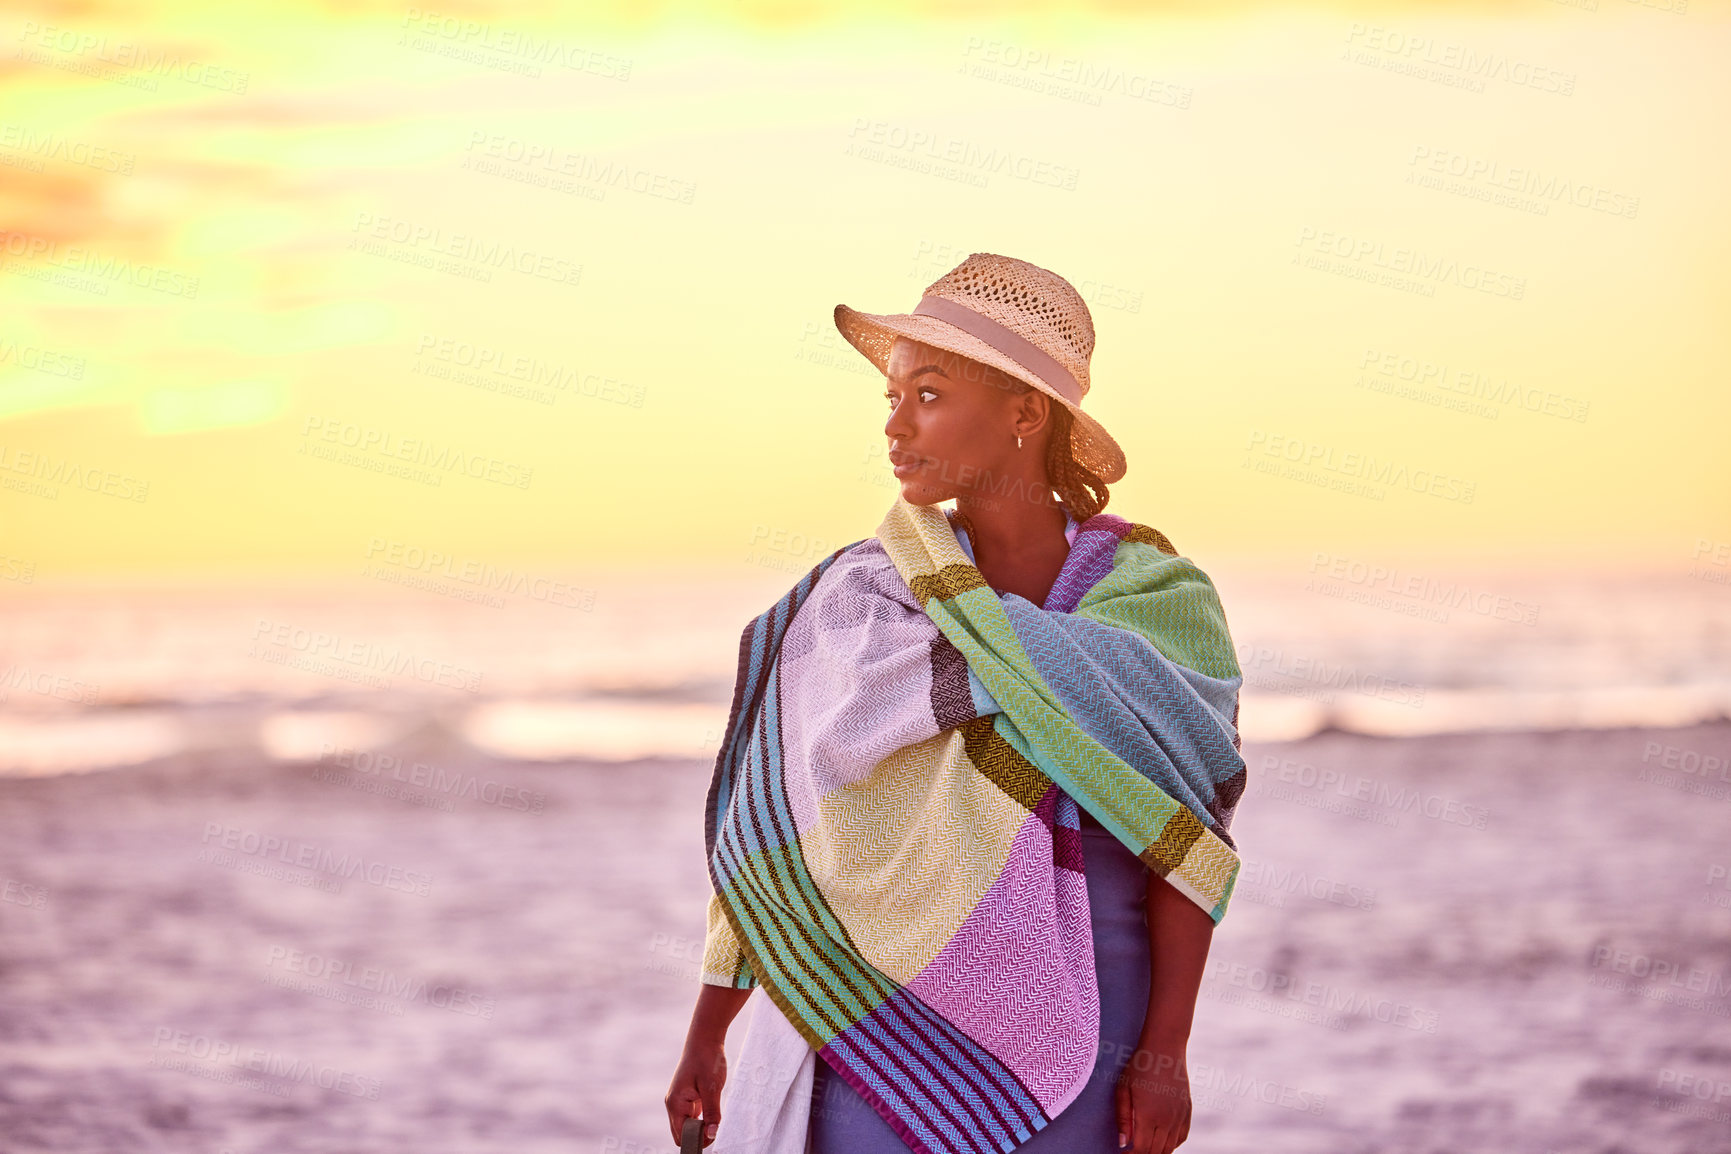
892 827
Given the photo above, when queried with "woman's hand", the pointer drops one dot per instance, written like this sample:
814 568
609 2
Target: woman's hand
1154 1089
696 1089
702 1069
1154 1100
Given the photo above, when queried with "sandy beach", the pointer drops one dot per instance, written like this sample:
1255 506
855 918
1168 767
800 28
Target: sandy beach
1517 942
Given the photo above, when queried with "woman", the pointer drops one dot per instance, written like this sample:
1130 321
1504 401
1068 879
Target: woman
968 828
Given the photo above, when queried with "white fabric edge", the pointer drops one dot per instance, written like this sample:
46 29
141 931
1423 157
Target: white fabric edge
766 1103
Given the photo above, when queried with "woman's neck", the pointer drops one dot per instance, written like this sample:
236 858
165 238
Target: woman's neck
1006 527
1018 547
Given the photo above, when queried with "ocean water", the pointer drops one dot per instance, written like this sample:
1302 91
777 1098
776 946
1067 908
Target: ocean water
618 669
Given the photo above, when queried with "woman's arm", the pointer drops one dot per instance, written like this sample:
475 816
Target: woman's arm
702 1069
1154 1090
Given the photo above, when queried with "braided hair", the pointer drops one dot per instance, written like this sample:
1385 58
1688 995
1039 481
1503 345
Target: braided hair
1079 488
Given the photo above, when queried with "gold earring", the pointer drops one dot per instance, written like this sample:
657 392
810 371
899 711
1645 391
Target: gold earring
1018 441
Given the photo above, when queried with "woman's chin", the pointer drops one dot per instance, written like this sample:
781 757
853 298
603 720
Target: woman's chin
915 492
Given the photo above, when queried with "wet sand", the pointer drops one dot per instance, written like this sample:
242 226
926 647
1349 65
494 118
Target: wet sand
1503 942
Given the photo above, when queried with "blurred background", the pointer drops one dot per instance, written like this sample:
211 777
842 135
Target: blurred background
402 411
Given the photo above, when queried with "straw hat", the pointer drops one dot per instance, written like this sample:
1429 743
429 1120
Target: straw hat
1014 316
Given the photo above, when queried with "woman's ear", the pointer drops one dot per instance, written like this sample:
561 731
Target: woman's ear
1033 412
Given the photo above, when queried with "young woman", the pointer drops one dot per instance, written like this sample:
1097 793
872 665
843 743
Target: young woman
968 829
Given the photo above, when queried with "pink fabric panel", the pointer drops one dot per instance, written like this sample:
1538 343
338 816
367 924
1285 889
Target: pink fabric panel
1028 944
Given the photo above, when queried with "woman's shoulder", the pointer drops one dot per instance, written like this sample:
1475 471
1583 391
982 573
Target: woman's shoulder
859 571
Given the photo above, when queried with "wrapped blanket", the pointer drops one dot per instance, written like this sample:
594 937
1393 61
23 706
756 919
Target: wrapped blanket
892 827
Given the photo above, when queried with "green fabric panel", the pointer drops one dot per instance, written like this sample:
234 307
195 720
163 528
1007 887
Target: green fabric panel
1169 601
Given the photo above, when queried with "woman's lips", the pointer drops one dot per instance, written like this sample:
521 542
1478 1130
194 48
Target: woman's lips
905 463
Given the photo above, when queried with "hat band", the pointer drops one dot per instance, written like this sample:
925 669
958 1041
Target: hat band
1007 341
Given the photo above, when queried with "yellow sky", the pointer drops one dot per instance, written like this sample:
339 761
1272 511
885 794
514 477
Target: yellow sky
262 273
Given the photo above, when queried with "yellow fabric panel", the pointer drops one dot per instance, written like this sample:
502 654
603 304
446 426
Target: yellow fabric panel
920 543
1209 867
721 952
904 856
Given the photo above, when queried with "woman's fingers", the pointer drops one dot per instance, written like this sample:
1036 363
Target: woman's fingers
682 1102
1122 1099
710 1089
1180 1131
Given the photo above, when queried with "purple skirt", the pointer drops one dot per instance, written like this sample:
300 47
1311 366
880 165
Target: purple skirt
842 1122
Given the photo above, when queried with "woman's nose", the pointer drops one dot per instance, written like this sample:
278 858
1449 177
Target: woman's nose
896 426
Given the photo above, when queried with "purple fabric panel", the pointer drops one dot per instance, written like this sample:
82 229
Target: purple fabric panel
855 679
1091 552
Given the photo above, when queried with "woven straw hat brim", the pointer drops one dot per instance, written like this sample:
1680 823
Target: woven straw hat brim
874 335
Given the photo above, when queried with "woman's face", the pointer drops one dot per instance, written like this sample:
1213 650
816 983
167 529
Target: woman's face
953 424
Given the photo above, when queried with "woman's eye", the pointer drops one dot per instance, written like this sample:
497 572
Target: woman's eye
890 397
